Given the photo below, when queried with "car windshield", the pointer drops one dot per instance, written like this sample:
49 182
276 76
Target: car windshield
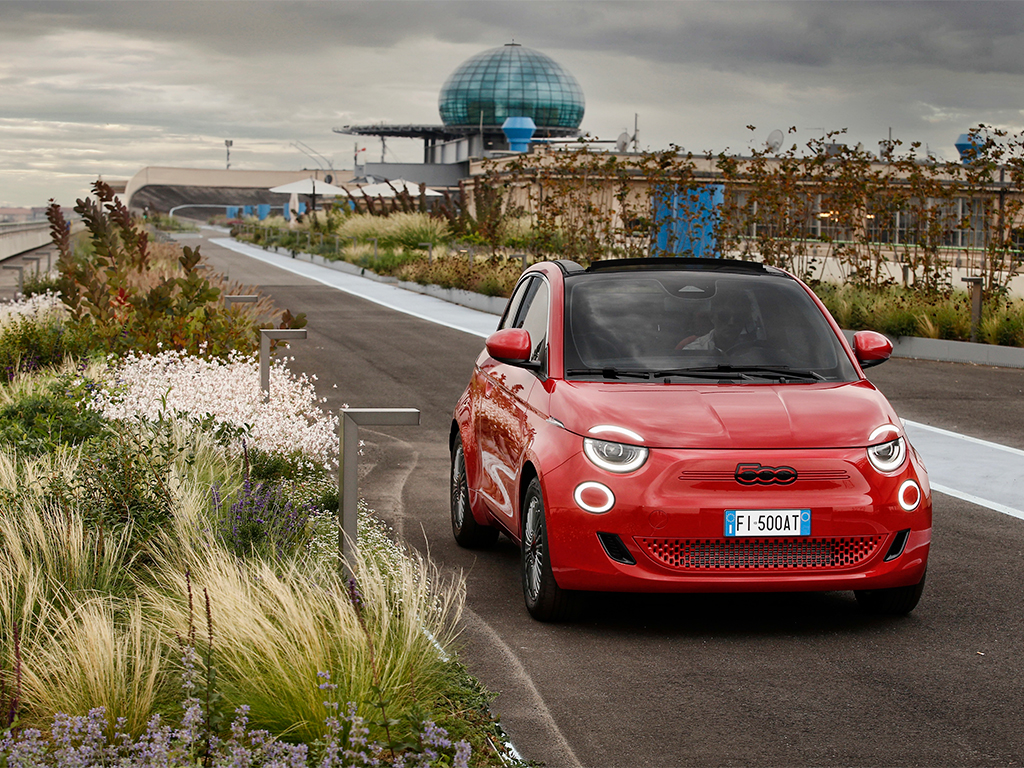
697 325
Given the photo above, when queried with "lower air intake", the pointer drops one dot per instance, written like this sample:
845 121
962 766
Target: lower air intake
615 548
761 554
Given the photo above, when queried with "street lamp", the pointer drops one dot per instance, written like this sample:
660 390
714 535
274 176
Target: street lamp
266 335
348 474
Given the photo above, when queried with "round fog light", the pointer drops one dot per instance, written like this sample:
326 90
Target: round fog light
594 497
909 495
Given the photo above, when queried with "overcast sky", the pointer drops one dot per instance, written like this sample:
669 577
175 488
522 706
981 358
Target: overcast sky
107 88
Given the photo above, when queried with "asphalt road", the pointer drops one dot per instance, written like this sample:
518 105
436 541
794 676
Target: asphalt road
698 680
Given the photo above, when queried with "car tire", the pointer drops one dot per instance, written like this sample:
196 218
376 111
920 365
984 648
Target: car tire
897 601
467 531
545 600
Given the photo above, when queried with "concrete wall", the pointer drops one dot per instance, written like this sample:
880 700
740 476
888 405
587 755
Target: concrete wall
447 175
18 238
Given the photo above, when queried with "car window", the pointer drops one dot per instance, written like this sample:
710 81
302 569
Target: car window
691 319
532 316
514 303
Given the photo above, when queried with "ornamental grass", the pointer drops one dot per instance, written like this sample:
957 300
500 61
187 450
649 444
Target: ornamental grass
899 311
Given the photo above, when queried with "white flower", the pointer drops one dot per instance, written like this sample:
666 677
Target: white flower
226 391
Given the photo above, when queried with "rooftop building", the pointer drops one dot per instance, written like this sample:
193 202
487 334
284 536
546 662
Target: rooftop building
475 100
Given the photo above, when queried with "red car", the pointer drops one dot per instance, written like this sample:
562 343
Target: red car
686 425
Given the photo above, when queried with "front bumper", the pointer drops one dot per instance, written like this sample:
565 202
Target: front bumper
669 520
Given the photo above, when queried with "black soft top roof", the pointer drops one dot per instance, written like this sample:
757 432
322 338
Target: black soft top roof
676 264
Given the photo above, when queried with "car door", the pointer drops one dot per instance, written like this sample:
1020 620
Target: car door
502 404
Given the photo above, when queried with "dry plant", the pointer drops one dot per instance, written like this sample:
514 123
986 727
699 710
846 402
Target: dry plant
277 626
104 654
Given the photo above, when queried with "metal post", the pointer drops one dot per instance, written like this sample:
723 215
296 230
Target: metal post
521 256
348 476
975 290
430 251
240 299
36 259
266 335
21 276
375 249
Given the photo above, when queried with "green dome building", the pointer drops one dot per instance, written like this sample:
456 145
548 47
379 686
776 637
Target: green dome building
474 102
512 81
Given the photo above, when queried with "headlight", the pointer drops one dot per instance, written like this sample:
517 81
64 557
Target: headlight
888 457
614 457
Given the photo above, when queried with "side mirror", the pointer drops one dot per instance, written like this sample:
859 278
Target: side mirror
871 348
512 346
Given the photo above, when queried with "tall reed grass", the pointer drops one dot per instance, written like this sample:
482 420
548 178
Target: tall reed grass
899 311
105 653
277 626
407 230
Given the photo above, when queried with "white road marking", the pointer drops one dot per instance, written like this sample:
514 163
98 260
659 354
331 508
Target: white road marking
981 472
515 668
994 477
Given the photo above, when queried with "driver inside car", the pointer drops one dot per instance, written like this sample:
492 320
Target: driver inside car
732 320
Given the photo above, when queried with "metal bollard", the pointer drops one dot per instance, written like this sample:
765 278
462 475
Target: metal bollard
233 299
522 257
348 475
976 298
430 251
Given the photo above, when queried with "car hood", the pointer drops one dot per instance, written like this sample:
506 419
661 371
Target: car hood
759 416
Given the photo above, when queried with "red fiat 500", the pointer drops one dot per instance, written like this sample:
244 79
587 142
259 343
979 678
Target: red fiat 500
686 425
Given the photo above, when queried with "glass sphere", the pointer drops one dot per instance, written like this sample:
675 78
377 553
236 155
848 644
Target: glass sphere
511 81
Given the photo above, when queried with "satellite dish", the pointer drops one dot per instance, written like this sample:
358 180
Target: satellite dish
622 142
775 139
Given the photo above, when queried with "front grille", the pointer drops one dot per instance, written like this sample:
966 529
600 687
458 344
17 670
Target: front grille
729 475
765 554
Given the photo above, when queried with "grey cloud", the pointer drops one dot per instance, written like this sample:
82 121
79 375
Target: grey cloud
975 36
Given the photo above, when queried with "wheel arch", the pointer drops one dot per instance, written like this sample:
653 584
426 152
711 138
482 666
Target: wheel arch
526 475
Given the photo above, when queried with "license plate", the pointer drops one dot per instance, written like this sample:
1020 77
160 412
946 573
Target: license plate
767 522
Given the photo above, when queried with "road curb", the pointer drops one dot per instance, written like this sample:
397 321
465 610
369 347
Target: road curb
493 305
912 347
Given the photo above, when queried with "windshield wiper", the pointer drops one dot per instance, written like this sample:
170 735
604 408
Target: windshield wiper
719 372
608 373
765 371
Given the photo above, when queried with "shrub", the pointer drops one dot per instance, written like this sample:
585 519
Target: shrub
46 282
260 521
34 335
42 422
123 297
